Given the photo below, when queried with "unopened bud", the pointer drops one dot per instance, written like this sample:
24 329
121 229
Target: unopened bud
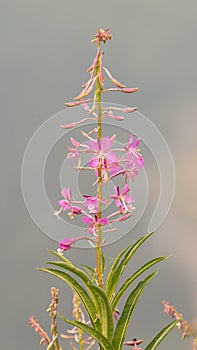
75 142
68 126
129 109
129 90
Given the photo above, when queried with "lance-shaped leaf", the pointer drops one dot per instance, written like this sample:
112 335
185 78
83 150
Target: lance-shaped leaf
61 257
79 273
113 268
107 324
90 271
81 292
131 279
103 342
129 307
160 336
117 268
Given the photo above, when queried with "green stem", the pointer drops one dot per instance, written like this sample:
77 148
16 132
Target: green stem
99 133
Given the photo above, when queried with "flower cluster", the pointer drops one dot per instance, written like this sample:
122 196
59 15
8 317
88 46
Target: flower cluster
183 325
106 158
107 161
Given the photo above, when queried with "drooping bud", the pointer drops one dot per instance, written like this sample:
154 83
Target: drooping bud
68 126
87 90
112 116
129 109
77 103
130 90
114 81
75 142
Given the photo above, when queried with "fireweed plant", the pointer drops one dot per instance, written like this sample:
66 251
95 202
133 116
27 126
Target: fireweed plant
96 318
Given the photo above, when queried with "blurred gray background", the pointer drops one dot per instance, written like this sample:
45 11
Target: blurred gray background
45 50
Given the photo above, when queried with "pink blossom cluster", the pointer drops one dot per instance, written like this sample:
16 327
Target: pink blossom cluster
183 325
106 161
123 162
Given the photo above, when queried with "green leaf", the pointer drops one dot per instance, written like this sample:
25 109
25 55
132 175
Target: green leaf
102 263
106 313
81 274
90 271
81 292
103 342
117 268
129 307
113 268
62 257
161 335
130 280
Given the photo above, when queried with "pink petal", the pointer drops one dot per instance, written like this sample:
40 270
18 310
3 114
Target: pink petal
130 140
129 199
103 221
125 217
66 193
136 143
106 143
113 137
125 189
66 243
64 204
93 162
93 145
87 220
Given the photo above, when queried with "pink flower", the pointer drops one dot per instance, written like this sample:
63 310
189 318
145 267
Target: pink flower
66 202
104 157
93 222
133 152
123 200
91 203
66 243
100 147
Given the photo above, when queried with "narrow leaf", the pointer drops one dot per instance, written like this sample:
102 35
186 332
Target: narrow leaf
62 257
92 332
106 313
113 268
81 274
131 279
102 263
81 292
90 271
116 270
129 307
161 335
